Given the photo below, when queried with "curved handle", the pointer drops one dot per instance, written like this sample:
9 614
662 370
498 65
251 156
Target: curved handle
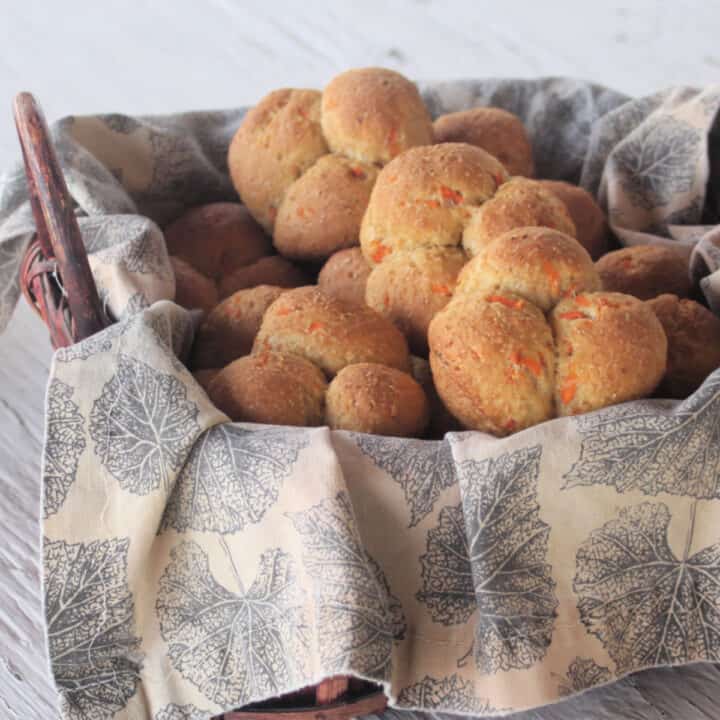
57 229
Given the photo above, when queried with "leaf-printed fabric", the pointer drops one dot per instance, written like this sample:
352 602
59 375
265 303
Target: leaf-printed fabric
648 447
143 425
64 443
488 558
201 564
647 604
423 469
231 478
94 651
234 645
359 616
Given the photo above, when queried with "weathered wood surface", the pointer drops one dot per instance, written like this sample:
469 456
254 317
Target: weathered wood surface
171 56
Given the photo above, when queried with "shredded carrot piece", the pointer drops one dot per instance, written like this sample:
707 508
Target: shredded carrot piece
393 145
357 172
302 112
582 301
517 304
379 252
300 212
530 363
392 178
604 302
510 425
567 393
432 203
314 326
626 262
386 300
454 196
574 315
498 178
569 350
284 311
441 290
552 273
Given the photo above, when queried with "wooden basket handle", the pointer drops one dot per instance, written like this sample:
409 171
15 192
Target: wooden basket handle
58 234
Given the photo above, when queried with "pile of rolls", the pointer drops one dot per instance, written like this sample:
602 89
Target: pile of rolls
391 274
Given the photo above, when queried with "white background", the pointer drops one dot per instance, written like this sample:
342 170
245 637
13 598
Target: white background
158 57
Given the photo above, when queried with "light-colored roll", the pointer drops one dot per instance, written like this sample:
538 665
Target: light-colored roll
330 333
372 398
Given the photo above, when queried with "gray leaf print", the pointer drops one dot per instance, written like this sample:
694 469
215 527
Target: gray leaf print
583 674
136 303
451 694
143 426
232 478
89 614
489 555
98 343
658 161
642 446
64 443
359 617
647 606
121 123
235 647
182 712
423 468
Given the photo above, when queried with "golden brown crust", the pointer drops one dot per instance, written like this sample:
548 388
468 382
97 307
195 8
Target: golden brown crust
229 331
374 114
217 238
372 398
192 289
425 197
496 131
610 349
411 287
520 202
538 264
206 376
493 363
645 271
344 276
271 270
441 420
322 211
693 334
279 139
271 388
330 333
589 219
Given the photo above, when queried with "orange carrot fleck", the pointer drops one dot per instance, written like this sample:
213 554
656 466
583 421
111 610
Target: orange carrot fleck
582 301
284 311
567 393
386 301
302 112
626 262
604 302
508 302
499 179
432 203
569 350
379 252
315 326
530 363
454 196
357 172
393 145
438 289
510 425
574 315
300 212
551 271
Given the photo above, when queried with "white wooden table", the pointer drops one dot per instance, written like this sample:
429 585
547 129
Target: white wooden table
156 57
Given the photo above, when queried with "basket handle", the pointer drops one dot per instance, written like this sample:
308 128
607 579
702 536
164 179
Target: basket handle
57 230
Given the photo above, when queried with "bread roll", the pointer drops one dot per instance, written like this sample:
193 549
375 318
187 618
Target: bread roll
693 335
374 114
217 238
610 349
518 203
377 399
493 363
537 264
496 131
344 276
330 333
271 270
590 223
410 287
192 289
206 376
279 139
322 211
441 420
645 271
229 331
271 388
425 196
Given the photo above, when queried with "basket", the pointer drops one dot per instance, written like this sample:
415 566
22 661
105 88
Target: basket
56 280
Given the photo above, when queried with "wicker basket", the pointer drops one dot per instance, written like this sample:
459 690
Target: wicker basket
56 280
